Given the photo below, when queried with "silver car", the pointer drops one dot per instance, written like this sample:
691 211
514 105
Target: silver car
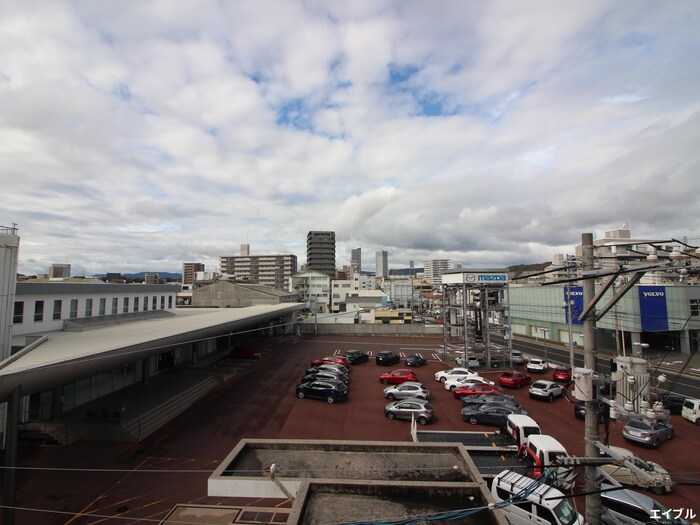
546 390
633 508
420 409
647 431
407 390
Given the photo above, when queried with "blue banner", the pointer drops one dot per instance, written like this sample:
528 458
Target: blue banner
574 294
652 308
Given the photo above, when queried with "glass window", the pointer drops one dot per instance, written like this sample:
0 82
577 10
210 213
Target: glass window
154 303
695 307
88 307
170 302
57 307
125 305
103 306
162 302
145 303
18 317
38 311
115 305
73 309
136 304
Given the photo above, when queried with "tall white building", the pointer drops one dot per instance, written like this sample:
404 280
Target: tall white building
9 248
434 269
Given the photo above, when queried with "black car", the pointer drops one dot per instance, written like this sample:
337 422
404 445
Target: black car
331 391
580 411
338 369
387 358
490 414
325 376
356 357
483 399
415 360
672 402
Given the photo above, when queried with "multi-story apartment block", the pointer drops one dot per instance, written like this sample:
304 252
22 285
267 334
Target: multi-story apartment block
312 288
382 267
434 270
320 252
151 278
271 270
59 271
188 273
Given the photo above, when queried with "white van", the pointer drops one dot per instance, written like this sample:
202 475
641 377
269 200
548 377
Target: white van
519 427
691 410
529 501
541 451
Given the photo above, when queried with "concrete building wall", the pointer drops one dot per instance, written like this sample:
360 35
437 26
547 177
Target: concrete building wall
9 247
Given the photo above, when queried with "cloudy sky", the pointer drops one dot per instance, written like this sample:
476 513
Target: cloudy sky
135 136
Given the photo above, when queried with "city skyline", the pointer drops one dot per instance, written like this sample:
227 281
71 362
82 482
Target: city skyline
136 137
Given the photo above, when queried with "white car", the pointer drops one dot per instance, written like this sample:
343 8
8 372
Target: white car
472 362
655 477
547 390
537 366
444 375
456 382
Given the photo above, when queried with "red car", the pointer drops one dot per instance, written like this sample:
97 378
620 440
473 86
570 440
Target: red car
475 390
562 375
398 376
332 360
514 379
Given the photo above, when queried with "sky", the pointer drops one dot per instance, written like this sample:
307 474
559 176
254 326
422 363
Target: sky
135 136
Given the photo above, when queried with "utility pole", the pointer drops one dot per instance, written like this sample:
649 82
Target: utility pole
591 431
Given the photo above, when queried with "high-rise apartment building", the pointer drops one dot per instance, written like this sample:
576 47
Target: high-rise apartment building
382 264
356 260
59 271
189 270
320 252
434 269
271 270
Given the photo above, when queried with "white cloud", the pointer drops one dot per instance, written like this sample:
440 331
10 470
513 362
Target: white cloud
135 136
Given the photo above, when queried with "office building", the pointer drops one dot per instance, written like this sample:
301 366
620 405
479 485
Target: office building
356 260
320 252
151 278
59 271
382 261
188 272
434 269
274 271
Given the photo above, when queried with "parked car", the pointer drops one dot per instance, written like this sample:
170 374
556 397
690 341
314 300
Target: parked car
633 508
415 360
537 366
356 357
331 391
455 382
407 390
420 409
657 478
495 360
471 361
517 357
444 375
548 390
691 410
387 358
398 376
580 411
672 402
340 369
514 379
503 399
245 353
562 374
331 359
475 389
490 414
325 376
650 432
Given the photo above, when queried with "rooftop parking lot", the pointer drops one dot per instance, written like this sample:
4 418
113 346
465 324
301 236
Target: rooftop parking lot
98 478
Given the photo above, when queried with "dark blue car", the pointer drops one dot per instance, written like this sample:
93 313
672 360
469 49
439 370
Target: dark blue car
415 360
330 391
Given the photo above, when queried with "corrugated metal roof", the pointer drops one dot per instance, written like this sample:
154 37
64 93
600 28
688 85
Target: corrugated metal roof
66 356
